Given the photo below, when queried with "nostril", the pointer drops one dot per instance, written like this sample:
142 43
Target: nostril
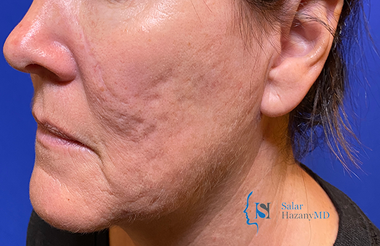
33 67
45 73
36 69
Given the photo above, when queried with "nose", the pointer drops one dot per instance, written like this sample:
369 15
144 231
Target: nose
39 44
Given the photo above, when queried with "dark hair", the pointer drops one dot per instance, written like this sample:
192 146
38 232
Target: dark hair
321 115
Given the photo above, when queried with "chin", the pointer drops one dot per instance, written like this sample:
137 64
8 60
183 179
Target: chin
73 209
64 210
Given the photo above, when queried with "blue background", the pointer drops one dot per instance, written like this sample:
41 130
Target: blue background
18 130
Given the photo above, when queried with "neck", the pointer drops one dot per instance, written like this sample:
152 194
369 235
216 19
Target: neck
222 217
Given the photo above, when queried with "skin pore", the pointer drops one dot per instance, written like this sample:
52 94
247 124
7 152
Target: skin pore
155 117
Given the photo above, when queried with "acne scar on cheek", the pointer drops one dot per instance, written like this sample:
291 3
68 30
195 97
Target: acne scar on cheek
97 75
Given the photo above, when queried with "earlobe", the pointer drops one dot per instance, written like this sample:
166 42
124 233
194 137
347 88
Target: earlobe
305 44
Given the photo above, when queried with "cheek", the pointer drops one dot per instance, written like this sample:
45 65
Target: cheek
131 92
156 92
141 79
148 89
166 104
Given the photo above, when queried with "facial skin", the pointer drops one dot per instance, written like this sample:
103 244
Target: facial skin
161 96
159 117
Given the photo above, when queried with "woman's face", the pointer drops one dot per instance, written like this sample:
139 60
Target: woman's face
141 105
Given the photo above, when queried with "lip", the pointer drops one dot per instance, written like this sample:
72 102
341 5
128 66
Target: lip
51 135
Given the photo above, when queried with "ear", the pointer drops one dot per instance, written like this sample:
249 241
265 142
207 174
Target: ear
305 44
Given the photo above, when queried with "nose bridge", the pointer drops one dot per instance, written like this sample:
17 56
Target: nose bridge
41 41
